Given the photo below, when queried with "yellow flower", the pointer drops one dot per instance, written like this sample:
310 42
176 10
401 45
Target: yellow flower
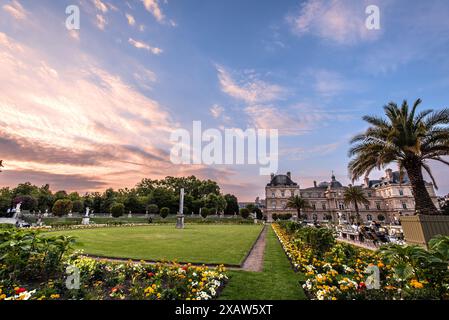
416 284
55 296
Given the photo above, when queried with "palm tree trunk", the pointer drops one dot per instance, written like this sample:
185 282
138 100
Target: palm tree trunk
356 206
423 202
299 214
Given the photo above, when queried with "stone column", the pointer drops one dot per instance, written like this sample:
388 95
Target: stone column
180 216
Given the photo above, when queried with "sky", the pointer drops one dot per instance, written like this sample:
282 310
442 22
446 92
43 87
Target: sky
88 109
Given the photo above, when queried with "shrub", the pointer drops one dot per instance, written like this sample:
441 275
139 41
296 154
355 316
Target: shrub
319 239
117 210
78 206
244 212
25 256
205 212
259 214
285 216
274 216
153 209
291 226
62 207
164 212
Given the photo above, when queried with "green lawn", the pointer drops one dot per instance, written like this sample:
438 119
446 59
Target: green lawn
210 244
278 281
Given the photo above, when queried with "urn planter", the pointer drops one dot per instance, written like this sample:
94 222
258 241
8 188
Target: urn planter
419 229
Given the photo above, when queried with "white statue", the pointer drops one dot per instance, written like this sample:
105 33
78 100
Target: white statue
86 219
18 207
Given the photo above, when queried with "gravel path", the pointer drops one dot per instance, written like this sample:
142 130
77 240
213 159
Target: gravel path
254 261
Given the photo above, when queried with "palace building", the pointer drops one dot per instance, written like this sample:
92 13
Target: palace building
389 198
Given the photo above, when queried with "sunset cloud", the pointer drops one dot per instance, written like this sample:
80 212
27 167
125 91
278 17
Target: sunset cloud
342 22
145 46
249 89
83 119
153 7
131 20
15 9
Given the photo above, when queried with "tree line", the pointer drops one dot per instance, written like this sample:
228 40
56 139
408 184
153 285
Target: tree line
148 196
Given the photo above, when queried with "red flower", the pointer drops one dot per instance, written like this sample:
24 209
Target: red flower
185 268
362 285
20 290
150 274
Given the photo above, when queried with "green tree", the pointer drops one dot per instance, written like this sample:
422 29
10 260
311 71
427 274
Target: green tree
25 189
27 202
108 198
5 200
164 212
74 196
62 207
205 212
232 205
407 138
117 209
244 212
78 206
298 203
355 196
45 198
216 202
62 194
153 209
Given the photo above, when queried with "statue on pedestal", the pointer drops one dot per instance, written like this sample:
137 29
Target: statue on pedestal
86 219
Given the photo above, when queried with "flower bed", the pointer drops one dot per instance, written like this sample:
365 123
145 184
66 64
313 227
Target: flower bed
104 280
341 272
38 268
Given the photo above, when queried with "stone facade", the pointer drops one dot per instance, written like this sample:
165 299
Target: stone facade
389 199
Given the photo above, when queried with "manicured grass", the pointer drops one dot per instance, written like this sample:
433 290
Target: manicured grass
278 281
210 244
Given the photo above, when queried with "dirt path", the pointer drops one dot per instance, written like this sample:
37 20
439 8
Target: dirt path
254 261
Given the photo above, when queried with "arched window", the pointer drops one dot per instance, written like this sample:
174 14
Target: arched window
369 217
315 217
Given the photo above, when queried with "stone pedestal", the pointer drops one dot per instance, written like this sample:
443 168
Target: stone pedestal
180 221
86 221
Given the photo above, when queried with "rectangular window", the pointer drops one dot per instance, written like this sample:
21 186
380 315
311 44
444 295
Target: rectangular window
378 205
404 205
401 192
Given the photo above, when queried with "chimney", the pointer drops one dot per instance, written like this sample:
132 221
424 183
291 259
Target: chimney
314 184
366 181
389 174
272 176
289 174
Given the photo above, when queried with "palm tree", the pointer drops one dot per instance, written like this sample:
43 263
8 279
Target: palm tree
298 203
407 138
355 195
1 165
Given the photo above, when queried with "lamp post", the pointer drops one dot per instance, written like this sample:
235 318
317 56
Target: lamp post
180 216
